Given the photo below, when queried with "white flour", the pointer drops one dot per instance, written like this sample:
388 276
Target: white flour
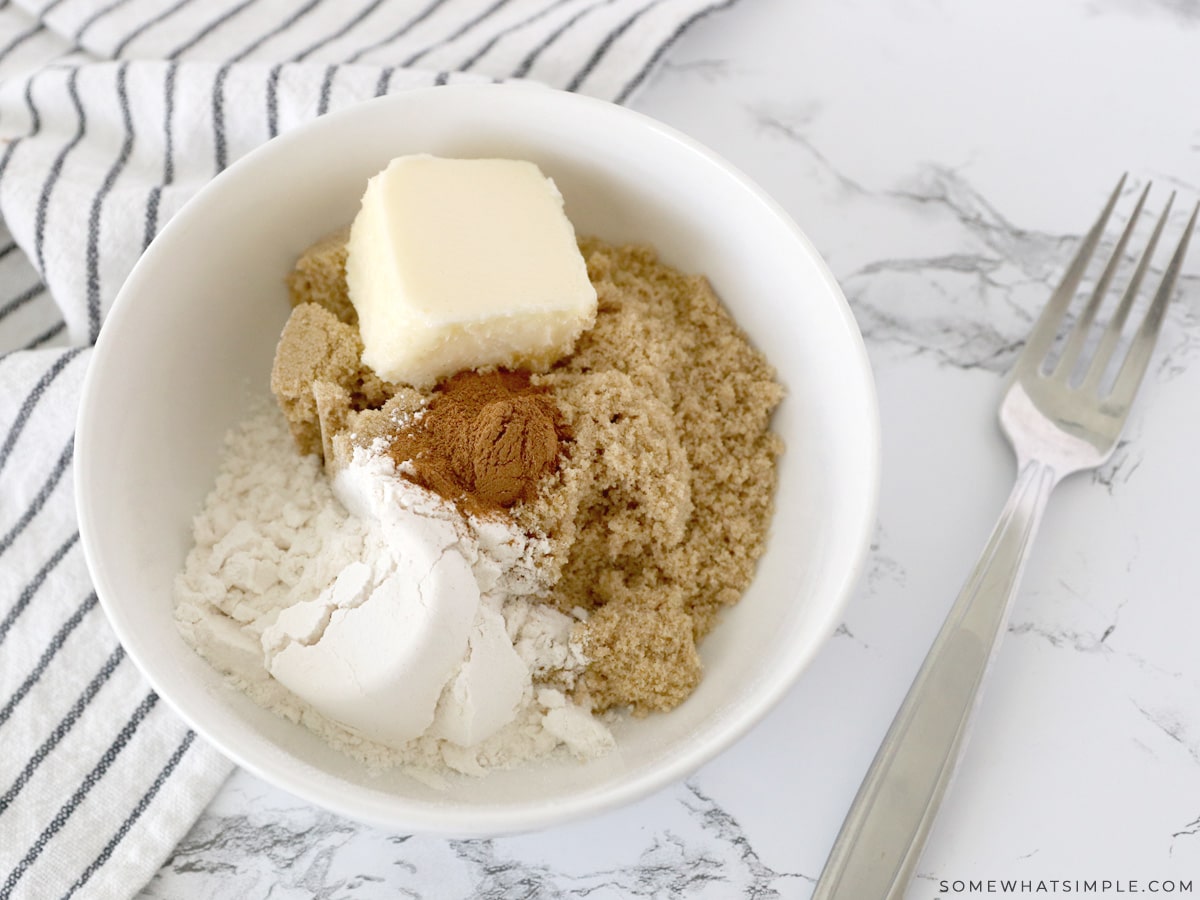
272 534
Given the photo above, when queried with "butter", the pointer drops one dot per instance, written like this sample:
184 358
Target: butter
455 264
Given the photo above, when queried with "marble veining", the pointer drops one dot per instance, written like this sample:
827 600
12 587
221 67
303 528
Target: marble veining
944 159
705 854
277 851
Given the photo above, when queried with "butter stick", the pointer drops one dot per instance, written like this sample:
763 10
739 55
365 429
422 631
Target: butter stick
455 264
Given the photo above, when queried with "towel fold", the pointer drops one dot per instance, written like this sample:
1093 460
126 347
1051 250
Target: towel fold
113 113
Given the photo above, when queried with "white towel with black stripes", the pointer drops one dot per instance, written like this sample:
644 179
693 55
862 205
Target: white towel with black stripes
112 114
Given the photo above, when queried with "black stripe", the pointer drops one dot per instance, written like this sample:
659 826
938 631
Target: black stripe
499 35
277 30
385 80
52 648
273 100
441 78
21 38
42 495
49 8
132 818
93 239
10 146
39 233
155 196
35 396
402 30
8 249
330 38
90 781
31 589
49 334
21 299
600 51
459 32
35 123
326 90
146 25
209 29
94 17
637 79
169 124
63 727
220 146
35 116
151 226
532 56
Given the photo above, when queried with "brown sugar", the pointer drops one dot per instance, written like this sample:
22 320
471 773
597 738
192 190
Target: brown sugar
320 277
664 505
316 347
656 496
642 650
485 441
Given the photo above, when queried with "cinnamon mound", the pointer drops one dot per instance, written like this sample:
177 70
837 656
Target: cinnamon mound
485 441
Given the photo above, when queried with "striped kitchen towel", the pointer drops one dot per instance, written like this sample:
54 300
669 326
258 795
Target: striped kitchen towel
112 114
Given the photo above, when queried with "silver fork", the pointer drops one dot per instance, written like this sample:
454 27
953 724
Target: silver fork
1058 423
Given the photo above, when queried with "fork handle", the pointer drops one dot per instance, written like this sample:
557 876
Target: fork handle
880 843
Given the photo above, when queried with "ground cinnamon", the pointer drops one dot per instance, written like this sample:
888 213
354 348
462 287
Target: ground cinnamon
484 441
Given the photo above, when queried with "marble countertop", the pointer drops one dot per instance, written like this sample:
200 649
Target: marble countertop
943 157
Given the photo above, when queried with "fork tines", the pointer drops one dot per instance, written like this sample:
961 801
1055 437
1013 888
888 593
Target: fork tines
1137 357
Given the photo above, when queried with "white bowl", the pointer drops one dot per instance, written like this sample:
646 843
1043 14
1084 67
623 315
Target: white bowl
191 338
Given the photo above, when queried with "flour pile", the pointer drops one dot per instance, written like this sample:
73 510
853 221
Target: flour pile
316 597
